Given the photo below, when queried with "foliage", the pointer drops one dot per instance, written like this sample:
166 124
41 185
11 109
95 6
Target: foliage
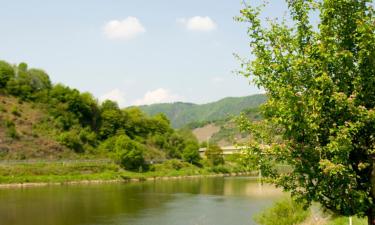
6 73
11 130
15 111
320 85
191 154
128 153
284 212
77 121
71 140
214 155
172 164
344 221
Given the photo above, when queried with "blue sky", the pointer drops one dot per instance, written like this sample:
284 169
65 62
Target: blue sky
132 51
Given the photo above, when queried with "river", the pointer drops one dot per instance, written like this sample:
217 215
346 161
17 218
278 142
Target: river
193 201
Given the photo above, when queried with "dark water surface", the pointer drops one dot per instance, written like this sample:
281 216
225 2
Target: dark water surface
196 201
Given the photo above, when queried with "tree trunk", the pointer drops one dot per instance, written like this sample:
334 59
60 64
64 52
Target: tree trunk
371 217
371 211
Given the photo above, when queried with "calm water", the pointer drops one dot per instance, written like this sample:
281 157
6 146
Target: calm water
198 201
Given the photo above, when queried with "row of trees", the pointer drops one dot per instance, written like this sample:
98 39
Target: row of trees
79 122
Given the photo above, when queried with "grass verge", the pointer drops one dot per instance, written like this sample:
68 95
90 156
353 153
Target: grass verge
59 172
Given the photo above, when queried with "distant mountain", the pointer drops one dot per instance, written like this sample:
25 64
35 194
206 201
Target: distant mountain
181 113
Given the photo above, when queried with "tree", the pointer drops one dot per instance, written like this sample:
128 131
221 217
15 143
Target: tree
129 153
191 153
320 82
6 73
214 155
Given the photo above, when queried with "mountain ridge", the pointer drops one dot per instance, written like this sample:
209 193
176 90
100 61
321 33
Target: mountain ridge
183 113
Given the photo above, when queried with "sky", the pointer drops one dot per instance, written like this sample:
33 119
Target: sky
132 51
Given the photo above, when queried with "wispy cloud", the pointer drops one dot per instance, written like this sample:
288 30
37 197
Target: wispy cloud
198 23
159 95
114 95
126 29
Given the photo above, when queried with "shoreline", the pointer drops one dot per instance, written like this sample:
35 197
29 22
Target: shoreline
129 180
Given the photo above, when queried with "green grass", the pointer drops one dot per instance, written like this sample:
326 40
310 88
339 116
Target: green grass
345 221
58 172
284 212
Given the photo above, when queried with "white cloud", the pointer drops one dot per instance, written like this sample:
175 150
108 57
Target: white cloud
198 23
126 29
159 95
114 95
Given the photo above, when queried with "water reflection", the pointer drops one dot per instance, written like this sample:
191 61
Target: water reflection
206 201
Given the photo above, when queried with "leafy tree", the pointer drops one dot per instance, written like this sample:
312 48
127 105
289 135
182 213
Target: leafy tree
82 105
129 153
6 73
24 82
320 84
191 154
214 155
175 145
71 140
39 79
109 105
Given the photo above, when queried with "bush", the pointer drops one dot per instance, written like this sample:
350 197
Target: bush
191 154
11 130
220 169
126 152
2 109
71 140
284 212
214 155
172 164
15 111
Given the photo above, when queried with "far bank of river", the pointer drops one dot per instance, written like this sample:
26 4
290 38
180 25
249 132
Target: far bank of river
189 201
13 175
122 180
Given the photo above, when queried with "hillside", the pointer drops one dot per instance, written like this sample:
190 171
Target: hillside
22 135
225 132
181 114
43 120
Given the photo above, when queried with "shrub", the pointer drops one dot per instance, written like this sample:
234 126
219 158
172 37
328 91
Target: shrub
284 212
220 169
214 155
191 154
172 164
71 140
15 111
11 130
126 152
2 108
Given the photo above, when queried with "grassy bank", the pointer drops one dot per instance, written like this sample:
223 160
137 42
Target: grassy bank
288 212
60 172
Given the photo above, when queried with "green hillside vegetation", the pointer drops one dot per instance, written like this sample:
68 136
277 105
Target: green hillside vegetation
228 131
39 119
182 114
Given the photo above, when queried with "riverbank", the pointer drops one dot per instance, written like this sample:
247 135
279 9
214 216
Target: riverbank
140 179
42 174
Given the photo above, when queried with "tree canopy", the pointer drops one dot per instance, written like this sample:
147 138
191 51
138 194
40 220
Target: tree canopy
319 76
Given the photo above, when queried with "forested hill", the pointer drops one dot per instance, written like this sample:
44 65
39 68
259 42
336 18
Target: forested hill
181 114
39 119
